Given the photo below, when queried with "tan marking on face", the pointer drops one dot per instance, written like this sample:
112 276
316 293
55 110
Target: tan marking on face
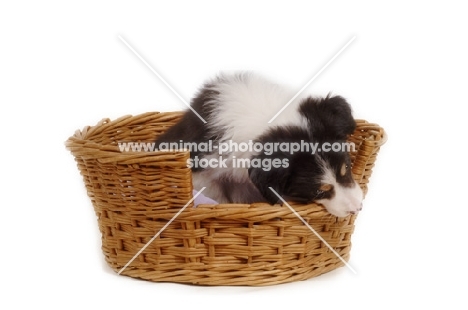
343 170
326 187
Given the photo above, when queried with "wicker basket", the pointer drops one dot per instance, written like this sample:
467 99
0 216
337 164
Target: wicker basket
135 194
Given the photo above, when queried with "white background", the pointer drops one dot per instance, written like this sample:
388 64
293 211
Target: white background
62 67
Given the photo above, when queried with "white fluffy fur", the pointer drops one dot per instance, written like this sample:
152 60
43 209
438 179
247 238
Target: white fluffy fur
249 102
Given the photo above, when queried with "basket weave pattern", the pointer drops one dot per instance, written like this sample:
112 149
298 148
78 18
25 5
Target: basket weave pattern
134 194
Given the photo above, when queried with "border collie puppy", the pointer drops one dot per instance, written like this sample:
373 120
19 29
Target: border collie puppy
237 109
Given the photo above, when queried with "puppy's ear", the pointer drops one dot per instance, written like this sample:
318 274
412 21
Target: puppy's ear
329 118
275 178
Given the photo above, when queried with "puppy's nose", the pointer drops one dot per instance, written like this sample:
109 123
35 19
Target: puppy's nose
357 209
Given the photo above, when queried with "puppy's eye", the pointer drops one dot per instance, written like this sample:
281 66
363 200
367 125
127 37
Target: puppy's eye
324 188
343 169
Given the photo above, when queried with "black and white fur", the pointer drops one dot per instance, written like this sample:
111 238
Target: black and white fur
238 107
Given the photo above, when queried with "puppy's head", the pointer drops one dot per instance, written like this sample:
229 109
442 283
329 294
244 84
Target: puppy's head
330 123
322 175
